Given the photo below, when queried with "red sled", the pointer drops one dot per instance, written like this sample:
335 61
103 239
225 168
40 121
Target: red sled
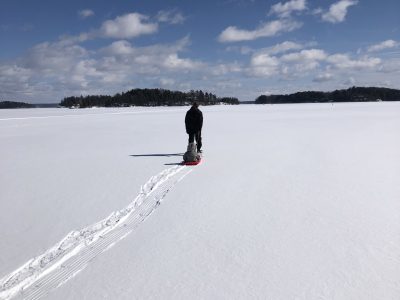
192 163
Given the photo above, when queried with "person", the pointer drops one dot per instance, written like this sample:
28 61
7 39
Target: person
194 124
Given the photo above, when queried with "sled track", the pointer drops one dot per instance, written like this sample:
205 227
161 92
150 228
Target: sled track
71 255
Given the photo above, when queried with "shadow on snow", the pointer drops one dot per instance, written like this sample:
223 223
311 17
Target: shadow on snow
160 155
156 155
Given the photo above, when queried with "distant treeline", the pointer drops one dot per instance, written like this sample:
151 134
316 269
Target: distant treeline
147 97
354 94
12 104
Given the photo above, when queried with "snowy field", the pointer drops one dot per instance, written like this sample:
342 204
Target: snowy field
290 202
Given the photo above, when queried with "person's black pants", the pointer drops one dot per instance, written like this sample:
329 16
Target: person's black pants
196 136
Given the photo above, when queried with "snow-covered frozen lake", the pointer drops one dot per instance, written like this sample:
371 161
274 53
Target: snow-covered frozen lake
290 202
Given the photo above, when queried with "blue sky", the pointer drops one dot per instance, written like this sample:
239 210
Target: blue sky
53 49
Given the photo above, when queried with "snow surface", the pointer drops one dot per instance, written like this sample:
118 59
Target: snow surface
290 202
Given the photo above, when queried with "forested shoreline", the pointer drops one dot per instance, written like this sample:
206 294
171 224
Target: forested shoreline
14 104
353 94
162 97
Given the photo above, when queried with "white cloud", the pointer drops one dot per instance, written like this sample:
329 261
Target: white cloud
282 47
343 61
299 63
305 56
83 70
233 34
323 77
338 11
151 59
46 57
127 26
262 64
284 10
170 16
117 48
173 62
384 45
267 62
85 13
264 60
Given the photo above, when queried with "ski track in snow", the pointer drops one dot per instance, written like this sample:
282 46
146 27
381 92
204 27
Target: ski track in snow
73 253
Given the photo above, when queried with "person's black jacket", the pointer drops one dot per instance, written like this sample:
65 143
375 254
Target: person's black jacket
193 120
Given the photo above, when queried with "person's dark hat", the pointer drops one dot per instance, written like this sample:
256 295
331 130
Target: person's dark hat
195 104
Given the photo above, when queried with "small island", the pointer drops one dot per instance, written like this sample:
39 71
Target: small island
147 97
